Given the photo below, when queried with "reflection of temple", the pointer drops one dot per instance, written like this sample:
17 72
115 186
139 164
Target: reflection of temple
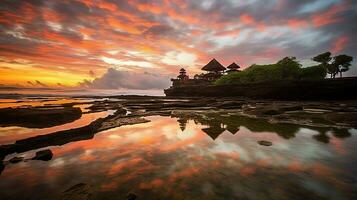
232 128
217 124
213 131
213 71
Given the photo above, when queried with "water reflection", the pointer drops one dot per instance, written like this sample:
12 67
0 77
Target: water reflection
159 160
13 133
30 102
219 123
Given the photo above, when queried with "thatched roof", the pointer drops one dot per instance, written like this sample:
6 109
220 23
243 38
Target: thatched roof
213 66
233 66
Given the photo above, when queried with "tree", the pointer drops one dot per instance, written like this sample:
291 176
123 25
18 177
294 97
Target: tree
342 63
323 58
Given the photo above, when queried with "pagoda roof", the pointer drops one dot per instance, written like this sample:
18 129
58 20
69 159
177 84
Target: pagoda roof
213 66
213 132
233 66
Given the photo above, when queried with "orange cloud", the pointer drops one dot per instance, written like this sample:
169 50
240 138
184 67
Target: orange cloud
297 23
247 19
339 44
130 28
329 17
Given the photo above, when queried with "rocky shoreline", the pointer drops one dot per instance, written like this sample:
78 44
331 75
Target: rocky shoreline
256 115
334 115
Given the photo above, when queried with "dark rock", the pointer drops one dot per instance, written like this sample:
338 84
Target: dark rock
38 117
44 155
291 108
80 191
229 104
2 167
265 143
271 112
16 159
326 89
131 196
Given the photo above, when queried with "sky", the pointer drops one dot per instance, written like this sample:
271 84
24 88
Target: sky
141 44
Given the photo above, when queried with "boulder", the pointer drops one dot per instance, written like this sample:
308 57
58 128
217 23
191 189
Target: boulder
44 155
131 196
16 159
265 143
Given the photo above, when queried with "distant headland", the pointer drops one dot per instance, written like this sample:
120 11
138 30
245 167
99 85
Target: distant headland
286 79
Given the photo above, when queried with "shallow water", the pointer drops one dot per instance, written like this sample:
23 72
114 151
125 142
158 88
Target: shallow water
12 133
216 157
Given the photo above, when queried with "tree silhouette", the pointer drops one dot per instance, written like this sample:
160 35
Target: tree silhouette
339 64
342 63
324 60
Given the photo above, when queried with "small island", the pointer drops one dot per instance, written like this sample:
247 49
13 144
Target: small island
285 80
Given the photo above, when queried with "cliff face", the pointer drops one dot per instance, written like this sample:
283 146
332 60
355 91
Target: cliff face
328 89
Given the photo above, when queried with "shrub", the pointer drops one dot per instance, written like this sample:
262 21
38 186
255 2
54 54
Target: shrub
285 69
317 72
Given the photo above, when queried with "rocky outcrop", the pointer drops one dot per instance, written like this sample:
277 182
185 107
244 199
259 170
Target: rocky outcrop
44 155
328 89
38 117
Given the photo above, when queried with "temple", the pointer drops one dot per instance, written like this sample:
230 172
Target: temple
212 71
233 68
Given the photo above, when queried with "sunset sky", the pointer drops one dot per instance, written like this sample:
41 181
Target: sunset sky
140 44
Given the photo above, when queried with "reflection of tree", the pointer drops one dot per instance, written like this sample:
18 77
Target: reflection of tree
322 137
232 124
182 123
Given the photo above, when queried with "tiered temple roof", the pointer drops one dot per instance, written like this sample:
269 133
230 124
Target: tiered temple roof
233 68
214 66
182 75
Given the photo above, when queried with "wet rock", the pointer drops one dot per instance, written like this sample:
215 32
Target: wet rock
265 143
272 112
16 159
229 105
2 167
38 117
291 108
131 196
348 118
44 155
79 191
121 121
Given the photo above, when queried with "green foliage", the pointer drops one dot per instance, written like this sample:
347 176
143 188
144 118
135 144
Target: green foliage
290 69
323 58
342 63
285 69
339 64
317 72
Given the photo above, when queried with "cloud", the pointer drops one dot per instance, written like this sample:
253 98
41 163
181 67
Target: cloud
39 83
116 79
63 38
